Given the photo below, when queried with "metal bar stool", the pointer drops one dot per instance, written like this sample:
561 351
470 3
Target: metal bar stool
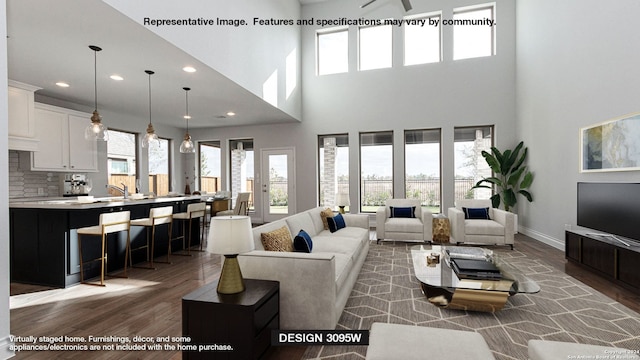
109 223
157 216
194 211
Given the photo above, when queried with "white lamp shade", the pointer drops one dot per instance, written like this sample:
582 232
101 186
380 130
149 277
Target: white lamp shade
342 199
229 235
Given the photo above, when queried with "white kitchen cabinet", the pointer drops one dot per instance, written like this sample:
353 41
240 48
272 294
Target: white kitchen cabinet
62 143
22 129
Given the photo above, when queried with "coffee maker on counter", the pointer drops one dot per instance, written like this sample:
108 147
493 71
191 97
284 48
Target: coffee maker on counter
75 185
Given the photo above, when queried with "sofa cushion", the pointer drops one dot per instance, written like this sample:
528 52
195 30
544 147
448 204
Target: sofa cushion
316 218
277 240
338 245
406 225
349 231
402 212
324 215
476 213
336 223
301 221
483 227
302 242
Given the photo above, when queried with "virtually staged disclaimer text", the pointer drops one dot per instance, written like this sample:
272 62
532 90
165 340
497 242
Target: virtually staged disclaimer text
318 22
110 343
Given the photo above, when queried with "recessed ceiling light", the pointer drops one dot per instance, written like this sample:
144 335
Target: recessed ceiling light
189 69
187 116
231 113
62 84
116 77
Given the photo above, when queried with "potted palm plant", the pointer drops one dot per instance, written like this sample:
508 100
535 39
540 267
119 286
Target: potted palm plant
511 177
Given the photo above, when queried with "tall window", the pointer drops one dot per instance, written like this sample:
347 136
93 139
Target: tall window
210 168
241 157
160 181
472 34
470 166
375 47
376 169
333 155
332 51
121 160
422 167
422 42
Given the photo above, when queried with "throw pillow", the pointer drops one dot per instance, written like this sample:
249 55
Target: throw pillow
336 223
277 240
326 213
402 212
476 213
302 242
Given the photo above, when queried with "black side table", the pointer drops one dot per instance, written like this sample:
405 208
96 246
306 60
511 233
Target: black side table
234 326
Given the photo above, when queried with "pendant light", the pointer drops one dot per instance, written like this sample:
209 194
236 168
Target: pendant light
150 138
96 130
187 145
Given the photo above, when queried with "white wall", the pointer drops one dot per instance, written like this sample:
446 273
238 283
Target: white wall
4 192
247 55
577 65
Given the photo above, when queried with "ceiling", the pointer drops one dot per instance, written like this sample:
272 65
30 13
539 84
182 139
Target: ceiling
48 43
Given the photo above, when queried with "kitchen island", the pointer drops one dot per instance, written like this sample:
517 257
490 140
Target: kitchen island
44 240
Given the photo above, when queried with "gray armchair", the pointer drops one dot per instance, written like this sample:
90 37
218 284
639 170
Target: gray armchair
499 230
418 228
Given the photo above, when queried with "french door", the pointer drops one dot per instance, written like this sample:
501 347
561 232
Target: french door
278 183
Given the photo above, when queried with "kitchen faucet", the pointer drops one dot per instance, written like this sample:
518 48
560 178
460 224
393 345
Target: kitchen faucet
124 190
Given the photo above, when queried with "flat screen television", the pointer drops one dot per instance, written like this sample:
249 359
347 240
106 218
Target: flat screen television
612 208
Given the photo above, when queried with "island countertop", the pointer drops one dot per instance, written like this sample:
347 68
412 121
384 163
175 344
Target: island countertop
99 202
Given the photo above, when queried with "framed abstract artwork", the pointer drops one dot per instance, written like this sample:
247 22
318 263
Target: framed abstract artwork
613 145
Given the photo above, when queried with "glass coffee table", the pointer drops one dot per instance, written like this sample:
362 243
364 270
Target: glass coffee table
444 289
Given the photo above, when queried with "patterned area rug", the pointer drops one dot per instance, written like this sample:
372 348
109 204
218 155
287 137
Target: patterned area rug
564 309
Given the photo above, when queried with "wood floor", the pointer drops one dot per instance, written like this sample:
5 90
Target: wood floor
148 303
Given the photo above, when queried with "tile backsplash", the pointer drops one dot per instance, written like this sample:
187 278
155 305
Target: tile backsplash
26 183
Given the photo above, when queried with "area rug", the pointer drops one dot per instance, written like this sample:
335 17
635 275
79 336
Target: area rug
564 309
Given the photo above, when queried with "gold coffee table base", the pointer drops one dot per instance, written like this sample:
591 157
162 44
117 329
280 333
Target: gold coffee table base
465 299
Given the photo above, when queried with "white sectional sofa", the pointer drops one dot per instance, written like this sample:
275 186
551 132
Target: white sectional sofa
314 287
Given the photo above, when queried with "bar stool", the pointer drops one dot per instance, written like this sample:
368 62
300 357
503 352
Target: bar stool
108 223
157 216
194 211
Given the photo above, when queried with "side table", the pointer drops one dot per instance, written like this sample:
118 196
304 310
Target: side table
441 229
239 323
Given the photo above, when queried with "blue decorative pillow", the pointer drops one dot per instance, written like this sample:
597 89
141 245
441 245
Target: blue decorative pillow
403 212
476 213
302 242
336 223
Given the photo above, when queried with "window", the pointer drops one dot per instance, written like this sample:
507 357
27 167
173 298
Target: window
422 42
473 32
210 168
470 166
422 167
332 51
121 160
376 169
333 155
241 156
159 177
375 47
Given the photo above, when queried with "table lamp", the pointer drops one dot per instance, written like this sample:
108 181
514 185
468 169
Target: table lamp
230 236
342 200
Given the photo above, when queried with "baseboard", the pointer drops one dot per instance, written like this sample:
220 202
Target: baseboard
544 238
5 353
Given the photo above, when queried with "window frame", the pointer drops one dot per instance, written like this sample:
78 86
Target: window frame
491 128
170 179
439 130
428 15
359 44
210 143
361 189
467 9
330 31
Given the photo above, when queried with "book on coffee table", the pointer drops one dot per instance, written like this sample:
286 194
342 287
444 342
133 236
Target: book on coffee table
475 269
467 253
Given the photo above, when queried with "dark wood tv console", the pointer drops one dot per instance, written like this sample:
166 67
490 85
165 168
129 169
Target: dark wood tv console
605 256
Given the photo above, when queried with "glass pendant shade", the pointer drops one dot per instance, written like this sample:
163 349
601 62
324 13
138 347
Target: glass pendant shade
150 138
187 145
96 130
